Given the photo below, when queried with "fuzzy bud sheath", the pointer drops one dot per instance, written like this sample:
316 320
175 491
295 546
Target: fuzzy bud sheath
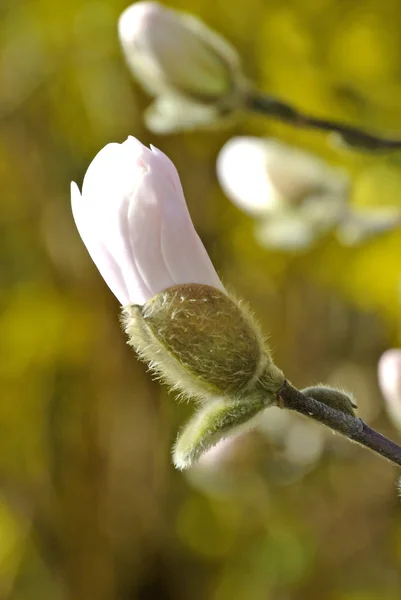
207 346
338 399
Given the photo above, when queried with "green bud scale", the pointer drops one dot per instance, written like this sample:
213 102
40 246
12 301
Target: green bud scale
203 343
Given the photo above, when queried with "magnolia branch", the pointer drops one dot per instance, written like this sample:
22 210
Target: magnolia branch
354 428
352 136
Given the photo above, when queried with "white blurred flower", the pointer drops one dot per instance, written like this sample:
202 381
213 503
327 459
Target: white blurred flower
134 221
193 72
262 175
296 194
389 373
296 197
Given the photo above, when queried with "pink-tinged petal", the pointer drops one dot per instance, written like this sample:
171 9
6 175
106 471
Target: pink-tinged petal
133 218
161 161
108 267
144 222
116 235
185 256
112 178
166 248
192 265
138 287
183 253
115 171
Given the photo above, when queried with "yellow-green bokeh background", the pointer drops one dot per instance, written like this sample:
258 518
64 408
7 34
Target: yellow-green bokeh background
90 506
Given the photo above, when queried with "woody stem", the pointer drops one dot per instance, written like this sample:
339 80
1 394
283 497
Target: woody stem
354 428
352 136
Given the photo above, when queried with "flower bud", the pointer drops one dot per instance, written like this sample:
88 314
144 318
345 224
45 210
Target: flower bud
192 71
134 221
263 176
338 399
389 373
203 343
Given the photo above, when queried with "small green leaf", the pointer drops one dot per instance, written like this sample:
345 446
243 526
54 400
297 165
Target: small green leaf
217 420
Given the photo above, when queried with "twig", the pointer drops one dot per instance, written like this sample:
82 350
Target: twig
354 428
352 136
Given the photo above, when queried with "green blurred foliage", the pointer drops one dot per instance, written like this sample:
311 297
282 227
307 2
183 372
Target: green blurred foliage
90 505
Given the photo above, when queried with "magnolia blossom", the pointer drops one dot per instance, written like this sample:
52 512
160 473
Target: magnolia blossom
134 221
193 72
389 373
263 176
295 195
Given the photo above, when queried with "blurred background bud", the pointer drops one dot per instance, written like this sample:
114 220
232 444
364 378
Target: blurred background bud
263 175
194 73
298 196
389 373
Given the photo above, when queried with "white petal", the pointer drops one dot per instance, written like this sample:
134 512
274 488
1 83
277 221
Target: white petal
183 252
111 180
242 173
167 248
116 170
133 218
108 267
144 222
262 175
